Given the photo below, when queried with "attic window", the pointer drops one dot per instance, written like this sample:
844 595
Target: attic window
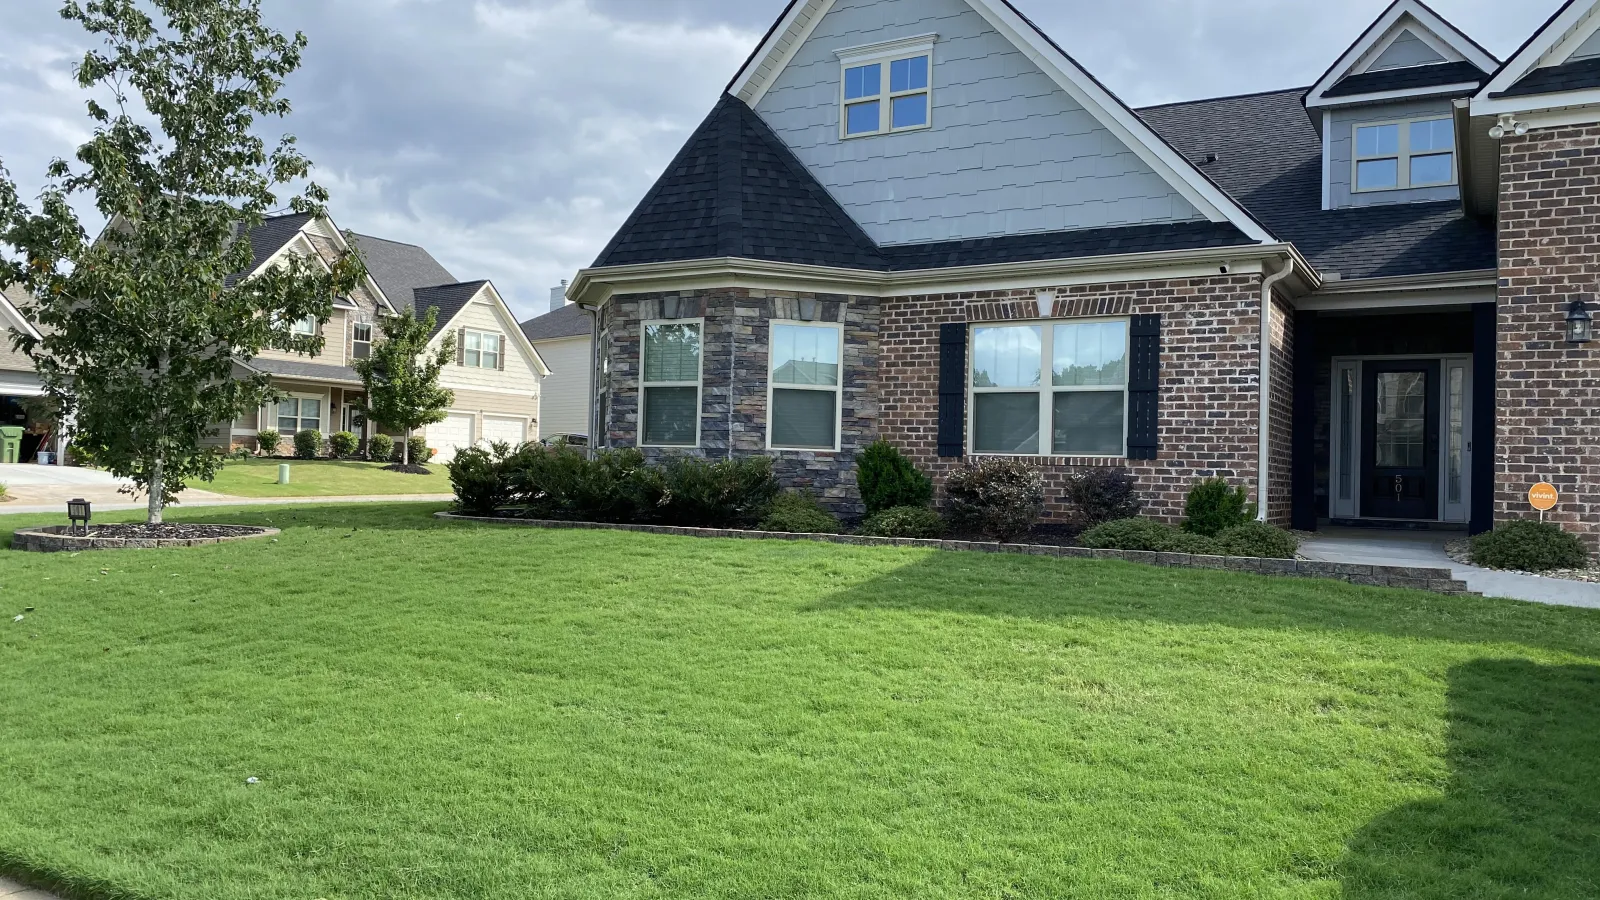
1406 154
886 87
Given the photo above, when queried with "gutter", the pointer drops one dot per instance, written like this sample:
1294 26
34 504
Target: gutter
1263 450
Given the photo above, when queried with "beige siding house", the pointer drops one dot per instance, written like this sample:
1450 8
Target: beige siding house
564 340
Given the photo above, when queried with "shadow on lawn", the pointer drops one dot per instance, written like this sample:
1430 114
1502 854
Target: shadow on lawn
1048 589
1521 814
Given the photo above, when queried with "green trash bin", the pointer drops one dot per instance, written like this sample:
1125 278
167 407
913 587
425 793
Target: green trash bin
10 443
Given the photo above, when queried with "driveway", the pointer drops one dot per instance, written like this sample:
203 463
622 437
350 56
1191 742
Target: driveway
1426 548
52 486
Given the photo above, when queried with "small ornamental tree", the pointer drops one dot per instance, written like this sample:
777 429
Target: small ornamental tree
401 376
143 326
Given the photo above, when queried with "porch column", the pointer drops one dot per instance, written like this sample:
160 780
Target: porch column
1485 350
1303 445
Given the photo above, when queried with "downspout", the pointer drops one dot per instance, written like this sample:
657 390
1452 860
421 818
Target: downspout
1264 449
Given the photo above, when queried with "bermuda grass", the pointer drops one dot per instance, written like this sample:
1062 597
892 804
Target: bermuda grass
322 478
444 710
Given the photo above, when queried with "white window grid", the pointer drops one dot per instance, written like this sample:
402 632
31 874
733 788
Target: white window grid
299 419
1402 155
482 350
897 52
837 389
1047 389
698 384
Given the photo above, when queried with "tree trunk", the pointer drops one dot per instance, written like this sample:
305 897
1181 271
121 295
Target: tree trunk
157 486
405 454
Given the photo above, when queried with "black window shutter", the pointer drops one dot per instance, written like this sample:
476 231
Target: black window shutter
952 389
1144 384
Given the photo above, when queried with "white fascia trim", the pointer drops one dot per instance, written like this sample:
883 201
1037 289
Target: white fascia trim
514 332
1379 30
310 249
752 82
1533 52
1434 289
1543 110
1180 173
1441 90
869 52
18 320
593 287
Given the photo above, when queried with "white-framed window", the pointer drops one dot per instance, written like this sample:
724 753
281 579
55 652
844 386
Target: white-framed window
669 384
804 385
886 88
306 326
1408 153
1081 410
361 340
297 414
482 349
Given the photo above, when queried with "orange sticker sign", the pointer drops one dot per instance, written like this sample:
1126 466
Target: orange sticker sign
1543 496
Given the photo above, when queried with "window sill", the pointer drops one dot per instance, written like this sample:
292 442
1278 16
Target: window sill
892 131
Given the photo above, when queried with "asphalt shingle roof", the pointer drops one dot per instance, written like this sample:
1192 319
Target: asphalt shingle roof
1408 77
1571 76
1269 159
568 321
1063 245
448 299
295 369
400 269
273 235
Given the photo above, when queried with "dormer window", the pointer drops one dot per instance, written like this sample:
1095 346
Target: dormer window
1411 153
886 87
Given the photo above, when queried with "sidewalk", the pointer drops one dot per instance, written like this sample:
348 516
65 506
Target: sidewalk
1426 548
10 890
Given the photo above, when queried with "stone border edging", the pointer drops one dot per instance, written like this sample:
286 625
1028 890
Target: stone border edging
54 539
1438 581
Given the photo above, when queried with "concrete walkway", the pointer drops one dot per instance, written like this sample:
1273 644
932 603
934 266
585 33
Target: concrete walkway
10 890
50 487
190 501
1426 548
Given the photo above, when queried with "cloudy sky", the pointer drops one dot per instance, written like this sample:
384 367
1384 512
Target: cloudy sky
512 137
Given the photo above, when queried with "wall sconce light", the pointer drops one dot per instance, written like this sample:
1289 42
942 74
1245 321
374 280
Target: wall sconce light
1508 124
1580 325
1047 304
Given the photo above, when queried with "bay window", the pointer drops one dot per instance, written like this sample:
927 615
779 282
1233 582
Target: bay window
670 384
804 384
1079 410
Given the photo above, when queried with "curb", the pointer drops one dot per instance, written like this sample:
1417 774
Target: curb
1438 581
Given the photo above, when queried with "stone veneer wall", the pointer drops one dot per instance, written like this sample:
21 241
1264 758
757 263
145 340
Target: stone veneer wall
1210 364
1209 384
1548 425
733 404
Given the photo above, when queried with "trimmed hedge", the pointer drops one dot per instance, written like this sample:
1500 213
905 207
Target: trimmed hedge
888 479
380 447
999 498
797 512
904 522
1258 539
307 444
269 440
1529 546
1213 507
343 444
1096 496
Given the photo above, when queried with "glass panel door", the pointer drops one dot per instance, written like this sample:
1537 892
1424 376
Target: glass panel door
1346 461
1457 441
1400 444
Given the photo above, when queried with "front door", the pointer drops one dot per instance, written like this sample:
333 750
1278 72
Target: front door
1400 452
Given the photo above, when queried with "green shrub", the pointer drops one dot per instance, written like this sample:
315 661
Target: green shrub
268 440
730 494
240 453
420 454
343 444
1148 535
380 447
904 522
4 491
1213 507
799 512
1258 539
1000 498
560 483
1529 546
888 479
307 444
1096 496
480 478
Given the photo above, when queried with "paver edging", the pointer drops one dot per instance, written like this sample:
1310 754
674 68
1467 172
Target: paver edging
56 539
1438 581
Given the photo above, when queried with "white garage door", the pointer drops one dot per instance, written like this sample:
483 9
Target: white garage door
502 429
449 436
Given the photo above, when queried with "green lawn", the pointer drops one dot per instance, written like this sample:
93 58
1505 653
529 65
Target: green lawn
321 478
453 711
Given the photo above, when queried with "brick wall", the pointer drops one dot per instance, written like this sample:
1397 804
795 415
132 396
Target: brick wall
1548 422
1210 366
1210 372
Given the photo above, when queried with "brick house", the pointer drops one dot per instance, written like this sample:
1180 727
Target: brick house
923 220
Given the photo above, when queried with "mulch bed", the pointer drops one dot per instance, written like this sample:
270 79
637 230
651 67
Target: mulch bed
1461 552
412 469
172 532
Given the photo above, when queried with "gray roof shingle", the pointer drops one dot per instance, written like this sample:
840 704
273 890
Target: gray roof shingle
296 369
400 269
1269 158
1410 77
448 299
1570 76
568 321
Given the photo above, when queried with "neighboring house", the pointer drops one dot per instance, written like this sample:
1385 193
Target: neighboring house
18 381
564 340
922 220
496 372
